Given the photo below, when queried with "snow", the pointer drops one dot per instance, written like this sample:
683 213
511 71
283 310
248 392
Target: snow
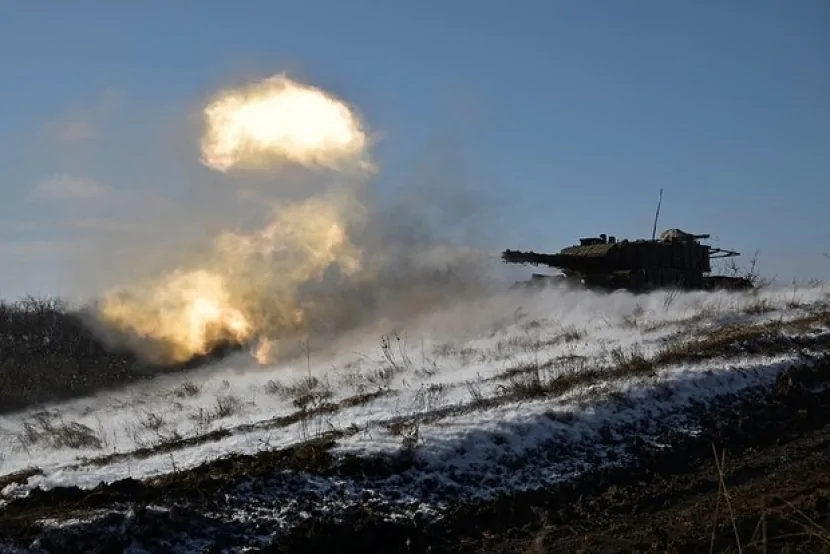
430 376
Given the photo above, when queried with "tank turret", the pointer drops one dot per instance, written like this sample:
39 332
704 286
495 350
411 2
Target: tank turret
676 259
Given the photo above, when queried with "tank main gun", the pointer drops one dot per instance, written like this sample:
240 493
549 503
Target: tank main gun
533 258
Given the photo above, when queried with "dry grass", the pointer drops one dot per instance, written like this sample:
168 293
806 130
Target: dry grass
409 431
46 429
151 430
722 341
759 306
304 392
631 362
474 389
224 406
775 511
188 389
558 376
430 397
534 379
377 379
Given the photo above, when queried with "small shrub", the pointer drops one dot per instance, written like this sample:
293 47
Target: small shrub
474 388
428 398
525 382
362 381
188 389
410 433
152 422
572 334
305 392
632 361
759 306
44 430
632 320
226 406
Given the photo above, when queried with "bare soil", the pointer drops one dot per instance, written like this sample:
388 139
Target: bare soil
776 474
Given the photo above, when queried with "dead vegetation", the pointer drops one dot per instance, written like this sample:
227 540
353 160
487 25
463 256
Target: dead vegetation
188 389
362 381
152 429
558 376
535 378
751 271
731 339
49 353
153 435
780 520
224 406
303 393
561 375
776 483
45 429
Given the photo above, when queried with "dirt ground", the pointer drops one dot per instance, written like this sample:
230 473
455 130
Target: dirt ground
776 473
778 501
775 461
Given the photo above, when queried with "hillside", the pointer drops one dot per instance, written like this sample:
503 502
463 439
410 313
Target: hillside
533 421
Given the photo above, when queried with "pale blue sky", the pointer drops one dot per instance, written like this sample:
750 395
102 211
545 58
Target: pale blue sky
581 110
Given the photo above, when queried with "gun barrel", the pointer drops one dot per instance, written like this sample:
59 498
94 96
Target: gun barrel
531 257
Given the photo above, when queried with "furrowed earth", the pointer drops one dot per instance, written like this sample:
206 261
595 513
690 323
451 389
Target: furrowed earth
538 421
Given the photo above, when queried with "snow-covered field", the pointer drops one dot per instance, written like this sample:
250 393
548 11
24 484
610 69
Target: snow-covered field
519 391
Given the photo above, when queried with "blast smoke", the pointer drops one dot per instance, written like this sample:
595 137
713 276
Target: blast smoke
319 264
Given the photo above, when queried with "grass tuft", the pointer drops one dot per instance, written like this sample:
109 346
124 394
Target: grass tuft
45 429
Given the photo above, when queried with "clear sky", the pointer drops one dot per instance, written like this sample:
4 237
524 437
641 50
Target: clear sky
569 116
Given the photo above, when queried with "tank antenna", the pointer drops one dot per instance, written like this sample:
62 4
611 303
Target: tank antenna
657 215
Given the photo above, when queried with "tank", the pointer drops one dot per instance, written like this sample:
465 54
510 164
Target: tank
675 259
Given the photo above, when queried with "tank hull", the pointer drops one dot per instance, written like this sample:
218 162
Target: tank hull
677 260
635 283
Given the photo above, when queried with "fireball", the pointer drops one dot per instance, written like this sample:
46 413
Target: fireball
281 121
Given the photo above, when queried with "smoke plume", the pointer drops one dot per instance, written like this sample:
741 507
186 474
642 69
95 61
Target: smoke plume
319 262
